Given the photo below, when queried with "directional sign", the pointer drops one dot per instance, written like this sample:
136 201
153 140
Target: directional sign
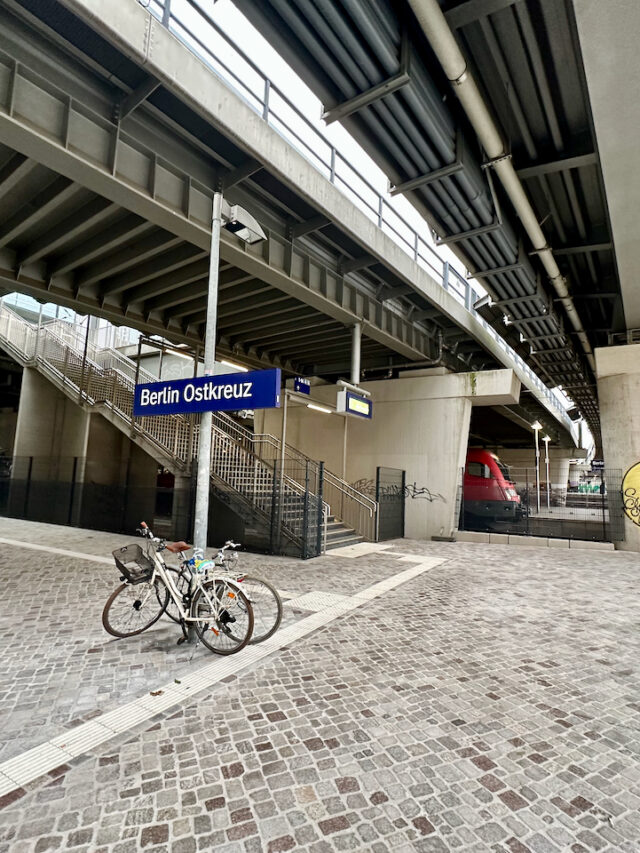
259 389
597 465
354 404
301 385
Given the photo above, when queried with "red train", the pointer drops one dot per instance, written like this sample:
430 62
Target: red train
489 492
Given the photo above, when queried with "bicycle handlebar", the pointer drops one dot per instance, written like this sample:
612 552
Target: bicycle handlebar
145 531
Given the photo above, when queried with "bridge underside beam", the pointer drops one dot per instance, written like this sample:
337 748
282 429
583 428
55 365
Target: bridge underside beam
145 185
160 175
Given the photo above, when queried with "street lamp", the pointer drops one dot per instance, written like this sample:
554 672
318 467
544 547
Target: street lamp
243 225
546 440
536 427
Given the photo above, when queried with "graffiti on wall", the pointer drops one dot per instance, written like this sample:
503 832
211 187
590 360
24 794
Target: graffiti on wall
631 493
413 491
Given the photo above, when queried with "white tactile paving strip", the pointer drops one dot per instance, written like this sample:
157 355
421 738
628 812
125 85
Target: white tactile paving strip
77 555
360 549
316 601
36 762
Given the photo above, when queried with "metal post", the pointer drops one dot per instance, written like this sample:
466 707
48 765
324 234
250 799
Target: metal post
84 359
160 362
267 92
320 492
39 332
604 517
356 337
166 14
344 450
206 418
282 454
445 275
546 462
306 546
537 471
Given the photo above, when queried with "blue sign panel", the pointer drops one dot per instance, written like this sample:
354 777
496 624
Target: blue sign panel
259 389
302 386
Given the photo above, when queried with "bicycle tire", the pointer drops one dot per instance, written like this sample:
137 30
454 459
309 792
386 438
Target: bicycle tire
266 604
219 635
181 580
140 607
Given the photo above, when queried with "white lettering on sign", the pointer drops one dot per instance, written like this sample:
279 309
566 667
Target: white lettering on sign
158 398
210 392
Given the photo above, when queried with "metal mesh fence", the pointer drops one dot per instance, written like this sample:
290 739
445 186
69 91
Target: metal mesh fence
590 509
275 516
390 494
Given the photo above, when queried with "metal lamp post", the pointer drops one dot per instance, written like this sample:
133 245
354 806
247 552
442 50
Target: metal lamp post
536 427
546 440
243 225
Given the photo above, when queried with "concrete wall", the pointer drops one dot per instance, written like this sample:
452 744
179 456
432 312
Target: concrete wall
50 427
120 478
420 424
8 424
618 373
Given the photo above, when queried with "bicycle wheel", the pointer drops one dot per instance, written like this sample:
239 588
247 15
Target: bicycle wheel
266 604
225 617
132 608
181 580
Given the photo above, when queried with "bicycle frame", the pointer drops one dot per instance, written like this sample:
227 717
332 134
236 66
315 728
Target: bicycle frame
195 582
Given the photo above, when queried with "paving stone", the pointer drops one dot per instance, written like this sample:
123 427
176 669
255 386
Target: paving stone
490 731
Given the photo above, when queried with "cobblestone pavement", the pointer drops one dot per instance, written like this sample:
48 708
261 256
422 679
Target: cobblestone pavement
491 704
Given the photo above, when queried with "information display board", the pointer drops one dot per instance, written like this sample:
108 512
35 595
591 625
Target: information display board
354 404
229 392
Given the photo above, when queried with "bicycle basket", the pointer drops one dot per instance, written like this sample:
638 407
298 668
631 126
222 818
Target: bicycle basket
133 563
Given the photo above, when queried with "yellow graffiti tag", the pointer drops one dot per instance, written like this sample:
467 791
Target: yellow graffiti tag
631 493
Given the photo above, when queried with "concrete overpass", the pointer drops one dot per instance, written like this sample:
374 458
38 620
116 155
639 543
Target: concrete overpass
115 136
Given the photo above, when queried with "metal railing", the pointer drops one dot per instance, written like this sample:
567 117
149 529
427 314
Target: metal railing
241 461
258 90
354 508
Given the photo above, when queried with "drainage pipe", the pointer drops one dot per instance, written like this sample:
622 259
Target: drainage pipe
454 65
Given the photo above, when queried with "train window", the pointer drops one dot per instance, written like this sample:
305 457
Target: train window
476 469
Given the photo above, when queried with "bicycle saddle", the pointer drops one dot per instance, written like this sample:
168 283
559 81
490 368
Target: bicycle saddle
176 547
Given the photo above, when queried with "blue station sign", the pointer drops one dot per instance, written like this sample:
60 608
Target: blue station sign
258 389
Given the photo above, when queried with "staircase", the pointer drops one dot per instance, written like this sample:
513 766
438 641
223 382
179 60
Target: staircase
284 497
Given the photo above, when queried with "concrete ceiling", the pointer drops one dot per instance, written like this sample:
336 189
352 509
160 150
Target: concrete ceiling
608 35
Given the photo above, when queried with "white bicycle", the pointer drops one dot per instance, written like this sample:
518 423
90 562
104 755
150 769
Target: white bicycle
263 596
215 604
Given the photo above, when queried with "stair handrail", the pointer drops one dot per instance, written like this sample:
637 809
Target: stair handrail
293 453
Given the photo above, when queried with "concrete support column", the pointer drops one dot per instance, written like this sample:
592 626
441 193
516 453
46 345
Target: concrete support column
49 453
120 478
618 375
420 424
181 510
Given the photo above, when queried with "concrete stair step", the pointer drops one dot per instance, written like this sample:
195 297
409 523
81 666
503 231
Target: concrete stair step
343 542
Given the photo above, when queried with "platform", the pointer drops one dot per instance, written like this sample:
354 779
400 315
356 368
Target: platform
419 696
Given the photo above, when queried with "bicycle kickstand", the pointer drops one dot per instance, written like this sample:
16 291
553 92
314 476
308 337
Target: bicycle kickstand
185 635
